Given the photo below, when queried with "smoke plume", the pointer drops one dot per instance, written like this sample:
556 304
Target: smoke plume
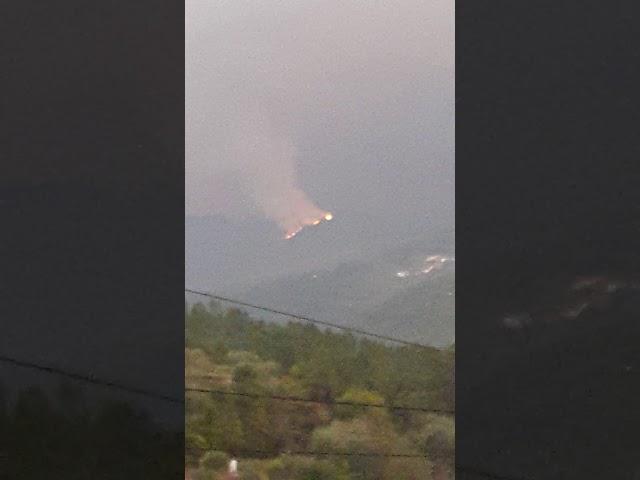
238 133
266 158
269 84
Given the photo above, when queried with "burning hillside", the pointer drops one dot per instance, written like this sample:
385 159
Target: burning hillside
295 228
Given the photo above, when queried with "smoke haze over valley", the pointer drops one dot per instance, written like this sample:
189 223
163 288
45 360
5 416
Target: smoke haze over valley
359 281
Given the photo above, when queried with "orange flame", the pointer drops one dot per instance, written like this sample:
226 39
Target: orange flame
292 232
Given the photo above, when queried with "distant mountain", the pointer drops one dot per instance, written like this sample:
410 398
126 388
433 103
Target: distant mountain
424 312
405 299
352 271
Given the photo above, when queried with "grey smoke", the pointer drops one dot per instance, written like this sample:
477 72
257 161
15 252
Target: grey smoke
269 81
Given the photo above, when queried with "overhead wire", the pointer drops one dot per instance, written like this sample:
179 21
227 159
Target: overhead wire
321 453
89 378
304 318
147 393
325 402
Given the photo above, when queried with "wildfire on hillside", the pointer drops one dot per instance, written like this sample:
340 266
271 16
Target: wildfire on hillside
307 222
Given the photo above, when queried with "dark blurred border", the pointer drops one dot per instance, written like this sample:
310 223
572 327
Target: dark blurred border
92 202
547 193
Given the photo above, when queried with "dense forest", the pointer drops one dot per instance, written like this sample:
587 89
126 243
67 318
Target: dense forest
247 362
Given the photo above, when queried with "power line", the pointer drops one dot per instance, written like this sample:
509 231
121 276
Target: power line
309 453
305 318
325 402
90 379
109 384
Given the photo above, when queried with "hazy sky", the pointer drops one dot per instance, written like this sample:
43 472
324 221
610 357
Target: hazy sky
353 102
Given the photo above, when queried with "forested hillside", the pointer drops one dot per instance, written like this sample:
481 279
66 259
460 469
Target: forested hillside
248 362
